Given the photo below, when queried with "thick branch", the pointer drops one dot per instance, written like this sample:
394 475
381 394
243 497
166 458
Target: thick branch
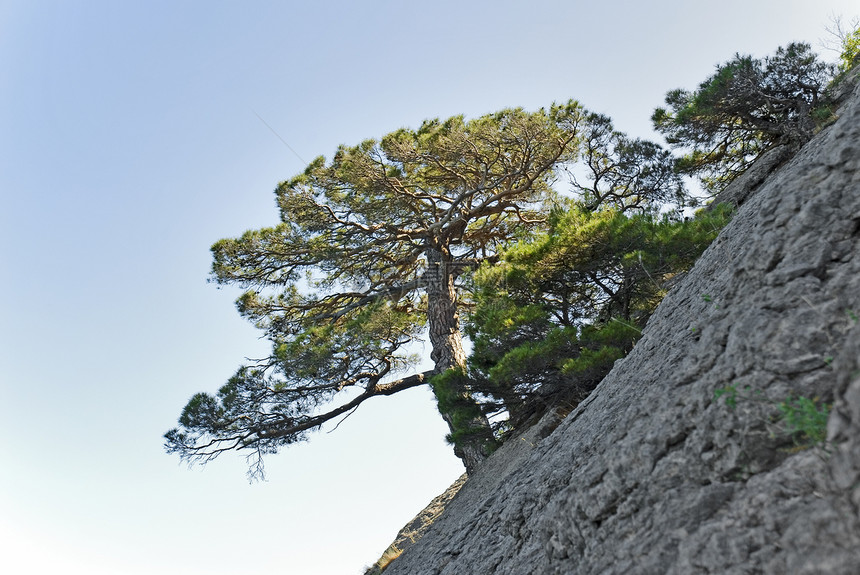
273 431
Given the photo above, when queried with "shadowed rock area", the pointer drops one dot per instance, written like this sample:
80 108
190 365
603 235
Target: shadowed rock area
652 473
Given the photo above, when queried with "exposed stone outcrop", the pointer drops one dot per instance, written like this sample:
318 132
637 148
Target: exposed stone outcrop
651 473
415 529
753 177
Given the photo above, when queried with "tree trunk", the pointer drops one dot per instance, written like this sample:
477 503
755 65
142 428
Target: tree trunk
447 350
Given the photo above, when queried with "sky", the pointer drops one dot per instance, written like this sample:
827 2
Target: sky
133 135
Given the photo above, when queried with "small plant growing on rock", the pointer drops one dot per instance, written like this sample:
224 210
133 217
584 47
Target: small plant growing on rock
802 418
732 395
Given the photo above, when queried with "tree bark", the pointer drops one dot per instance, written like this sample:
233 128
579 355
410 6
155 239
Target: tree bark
447 347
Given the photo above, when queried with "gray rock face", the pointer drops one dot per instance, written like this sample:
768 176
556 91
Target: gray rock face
415 529
652 474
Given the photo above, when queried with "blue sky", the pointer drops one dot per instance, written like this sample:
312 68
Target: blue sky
131 140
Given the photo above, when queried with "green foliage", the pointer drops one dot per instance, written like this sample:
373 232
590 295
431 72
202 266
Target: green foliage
600 347
745 107
558 310
805 419
464 415
369 253
398 237
623 173
850 50
730 393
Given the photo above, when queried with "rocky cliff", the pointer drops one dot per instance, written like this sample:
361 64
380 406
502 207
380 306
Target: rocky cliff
653 473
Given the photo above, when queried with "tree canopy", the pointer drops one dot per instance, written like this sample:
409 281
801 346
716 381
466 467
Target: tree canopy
367 259
557 311
847 38
394 240
391 241
745 107
628 174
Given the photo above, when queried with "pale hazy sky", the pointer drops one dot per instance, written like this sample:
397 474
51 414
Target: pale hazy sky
130 142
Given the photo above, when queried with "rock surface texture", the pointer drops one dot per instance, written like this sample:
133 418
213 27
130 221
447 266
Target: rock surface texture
415 529
652 474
